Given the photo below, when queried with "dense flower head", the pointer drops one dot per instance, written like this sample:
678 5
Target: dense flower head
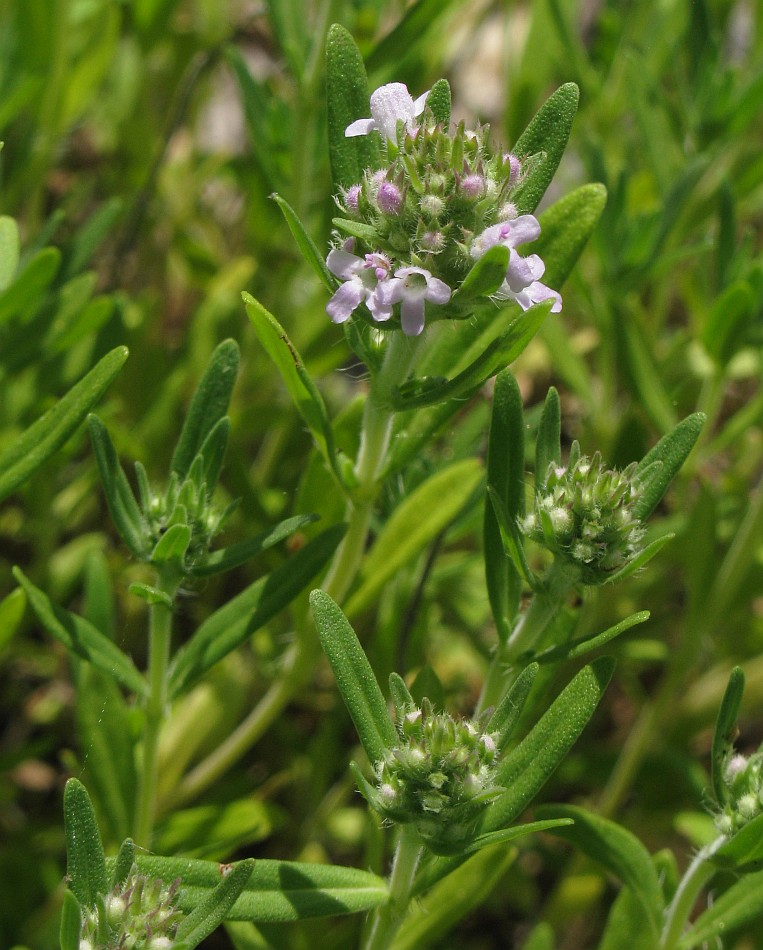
440 200
743 778
584 514
440 777
140 914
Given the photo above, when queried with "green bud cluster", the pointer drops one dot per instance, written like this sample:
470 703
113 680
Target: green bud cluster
184 502
584 514
439 189
139 914
743 778
440 777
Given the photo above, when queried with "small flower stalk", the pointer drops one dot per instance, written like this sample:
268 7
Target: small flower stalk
439 778
584 514
440 200
139 914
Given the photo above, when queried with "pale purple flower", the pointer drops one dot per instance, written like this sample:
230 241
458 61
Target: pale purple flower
522 283
389 198
351 196
364 278
413 287
389 104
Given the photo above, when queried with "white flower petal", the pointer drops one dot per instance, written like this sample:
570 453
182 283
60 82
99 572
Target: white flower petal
418 105
523 229
437 291
345 300
390 103
412 315
343 264
359 127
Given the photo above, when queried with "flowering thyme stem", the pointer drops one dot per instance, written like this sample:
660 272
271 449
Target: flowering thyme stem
697 875
159 636
388 918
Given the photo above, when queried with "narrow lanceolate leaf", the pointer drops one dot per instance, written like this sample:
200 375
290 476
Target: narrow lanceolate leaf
28 288
625 928
740 905
85 862
355 679
672 450
306 244
548 445
9 250
123 863
438 102
277 891
517 831
565 229
577 648
725 728
172 545
348 99
71 922
506 716
643 557
120 499
416 522
212 453
230 557
208 406
485 276
548 133
502 351
49 433
232 624
82 638
297 380
210 912
525 770
505 473
618 850
12 608
744 851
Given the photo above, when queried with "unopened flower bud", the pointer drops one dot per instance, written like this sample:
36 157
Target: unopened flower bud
515 167
473 186
351 197
389 198
431 206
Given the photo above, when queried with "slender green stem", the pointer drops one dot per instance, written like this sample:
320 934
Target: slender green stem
697 875
159 637
300 660
388 918
531 626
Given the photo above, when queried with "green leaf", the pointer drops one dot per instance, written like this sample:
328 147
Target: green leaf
402 699
212 453
517 831
505 718
618 850
82 638
513 543
577 648
9 250
257 104
28 289
85 862
230 557
625 928
744 850
672 450
71 922
347 98
277 891
123 507
354 678
208 406
427 684
548 445
505 473
172 545
207 831
740 905
306 244
527 768
643 557
232 624
438 102
418 519
123 863
105 734
300 386
12 608
725 729
541 938
548 132
485 276
503 350
210 912
50 431
728 321
152 595
565 229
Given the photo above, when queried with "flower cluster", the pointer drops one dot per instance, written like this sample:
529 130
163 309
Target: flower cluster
440 777
139 914
411 230
743 778
584 514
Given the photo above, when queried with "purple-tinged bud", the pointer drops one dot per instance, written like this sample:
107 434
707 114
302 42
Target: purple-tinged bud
389 198
508 211
515 167
378 178
351 197
432 241
473 186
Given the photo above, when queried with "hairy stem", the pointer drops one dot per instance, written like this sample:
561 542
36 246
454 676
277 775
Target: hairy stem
387 919
697 875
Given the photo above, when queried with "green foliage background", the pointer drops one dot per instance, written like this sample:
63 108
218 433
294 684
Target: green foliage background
142 141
